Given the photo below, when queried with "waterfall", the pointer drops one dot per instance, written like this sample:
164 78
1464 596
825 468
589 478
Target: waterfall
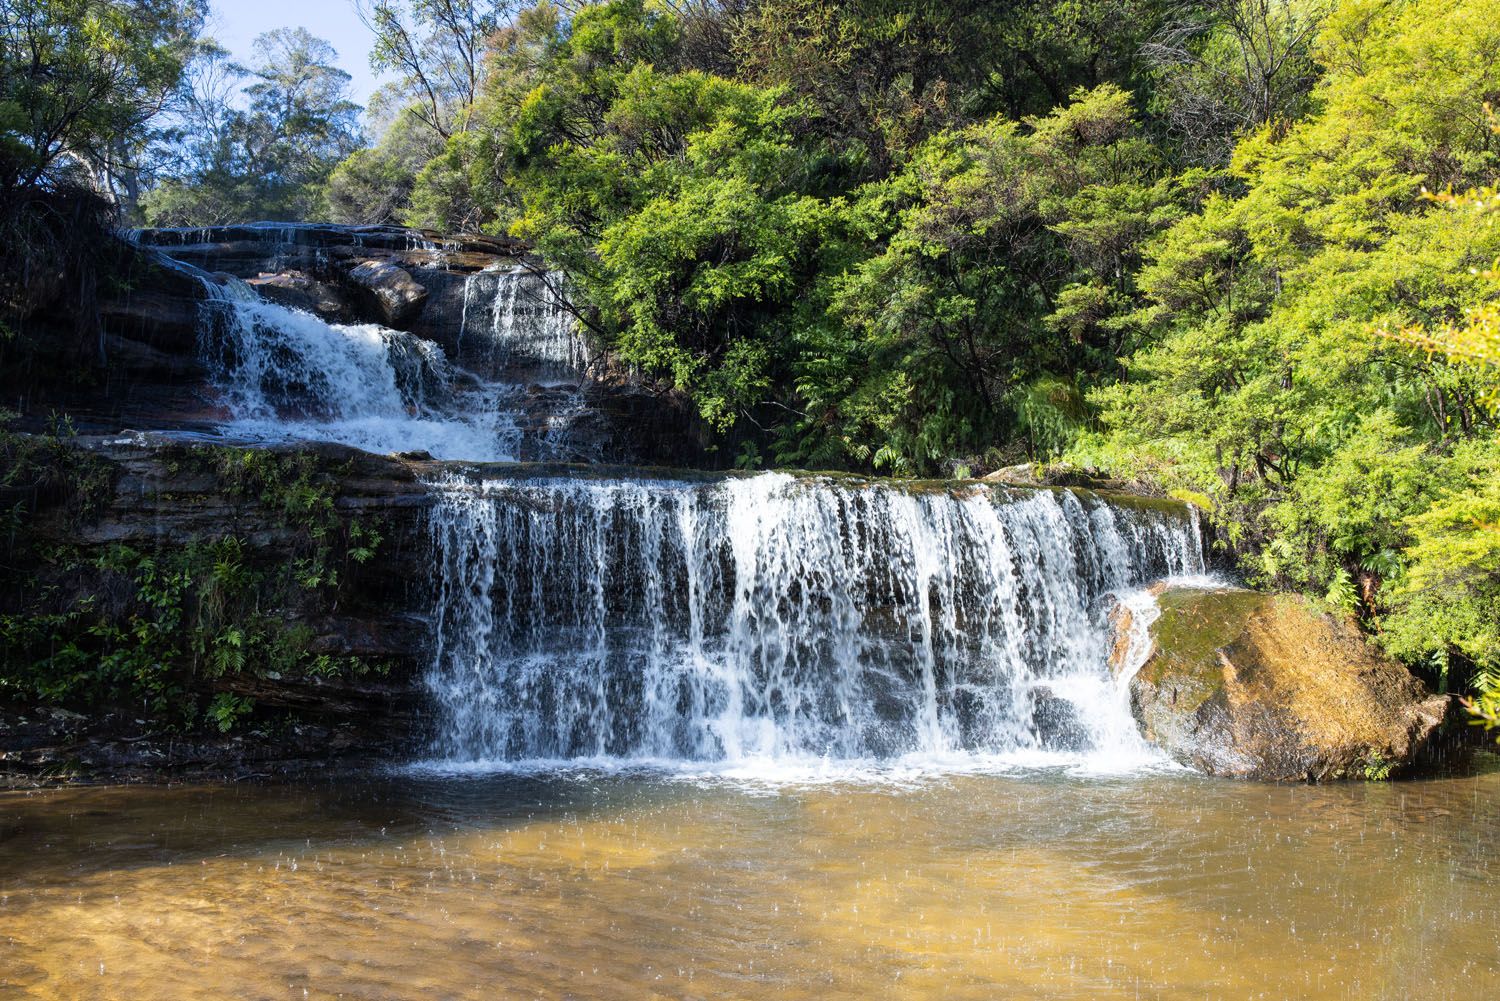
285 374
779 618
522 325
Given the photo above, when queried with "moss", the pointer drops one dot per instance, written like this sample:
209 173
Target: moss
157 625
1266 685
1192 628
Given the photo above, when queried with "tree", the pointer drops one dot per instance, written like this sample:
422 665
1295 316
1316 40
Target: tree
82 87
271 160
994 295
887 74
81 81
1337 461
374 185
437 49
1229 66
1450 599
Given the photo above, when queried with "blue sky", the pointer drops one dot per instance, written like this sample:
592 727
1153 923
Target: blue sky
235 23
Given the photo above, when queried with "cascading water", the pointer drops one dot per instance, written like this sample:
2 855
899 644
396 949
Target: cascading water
283 374
514 326
522 325
775 618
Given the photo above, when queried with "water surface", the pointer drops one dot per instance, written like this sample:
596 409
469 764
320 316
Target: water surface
586 885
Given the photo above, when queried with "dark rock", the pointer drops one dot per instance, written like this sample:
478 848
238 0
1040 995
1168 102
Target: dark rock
1262 686
297 290
156 315
1056 721
167 495
390 290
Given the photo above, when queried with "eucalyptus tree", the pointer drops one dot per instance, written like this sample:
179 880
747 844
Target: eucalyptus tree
266 159
81 84
437 50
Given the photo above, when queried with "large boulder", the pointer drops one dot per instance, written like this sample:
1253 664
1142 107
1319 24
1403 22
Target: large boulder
298 290
1263 686
395 295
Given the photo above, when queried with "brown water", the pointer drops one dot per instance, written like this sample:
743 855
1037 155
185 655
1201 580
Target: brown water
984 887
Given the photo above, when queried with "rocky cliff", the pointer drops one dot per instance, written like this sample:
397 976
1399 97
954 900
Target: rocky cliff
276 595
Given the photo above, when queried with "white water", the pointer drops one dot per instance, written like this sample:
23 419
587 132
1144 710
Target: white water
520 323
287 375
764 627
283 374
779 626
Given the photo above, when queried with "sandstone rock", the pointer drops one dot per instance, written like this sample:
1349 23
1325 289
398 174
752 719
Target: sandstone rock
391 290
298 290
1259 686
156 316
1036 474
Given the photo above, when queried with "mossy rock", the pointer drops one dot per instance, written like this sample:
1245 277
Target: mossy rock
1264 686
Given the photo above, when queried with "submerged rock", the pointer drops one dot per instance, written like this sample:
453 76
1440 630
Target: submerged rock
1259 686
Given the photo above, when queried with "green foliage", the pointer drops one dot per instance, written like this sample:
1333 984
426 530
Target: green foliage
821 221
373 186
992 282
154 627
1377 768
882 78
271 160
1449 595
80 83
227 709
1338 461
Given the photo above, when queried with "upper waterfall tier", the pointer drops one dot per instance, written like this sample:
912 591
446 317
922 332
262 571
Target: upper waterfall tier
396 340
782 617
283 374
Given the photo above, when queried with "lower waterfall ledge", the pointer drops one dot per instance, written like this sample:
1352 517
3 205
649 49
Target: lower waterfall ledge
186 608
1247 685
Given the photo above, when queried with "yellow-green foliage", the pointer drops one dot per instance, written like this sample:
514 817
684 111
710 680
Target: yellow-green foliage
1341 462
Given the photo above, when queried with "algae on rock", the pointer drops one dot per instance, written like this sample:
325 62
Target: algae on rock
1263 686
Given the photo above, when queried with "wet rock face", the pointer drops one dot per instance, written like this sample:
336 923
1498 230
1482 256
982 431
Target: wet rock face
1057 722
299 290
1257 686
312 267
142 363
164 496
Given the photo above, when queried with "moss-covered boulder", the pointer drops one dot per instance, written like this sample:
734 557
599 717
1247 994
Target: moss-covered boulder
1264 686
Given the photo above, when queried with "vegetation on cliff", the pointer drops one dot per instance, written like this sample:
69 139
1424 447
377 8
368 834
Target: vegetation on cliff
165 624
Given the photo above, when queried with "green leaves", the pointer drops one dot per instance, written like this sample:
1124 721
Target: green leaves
1337 462
80 81
158 626
272 159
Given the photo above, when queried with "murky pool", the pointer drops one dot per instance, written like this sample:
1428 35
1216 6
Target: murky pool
1034 885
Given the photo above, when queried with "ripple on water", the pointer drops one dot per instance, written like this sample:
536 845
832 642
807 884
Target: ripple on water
1022 884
